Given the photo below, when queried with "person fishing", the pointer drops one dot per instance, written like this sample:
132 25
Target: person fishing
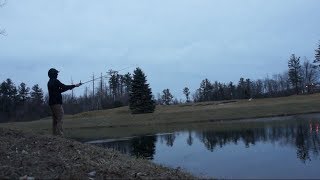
55 88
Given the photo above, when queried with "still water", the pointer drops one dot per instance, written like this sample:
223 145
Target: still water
275 149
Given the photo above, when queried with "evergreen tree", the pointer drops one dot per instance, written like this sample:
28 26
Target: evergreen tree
23 91
140 95
8 98
166 96
186 92
127 82
205 90
248 89
241 89
317 55
114 84
37 95
295 72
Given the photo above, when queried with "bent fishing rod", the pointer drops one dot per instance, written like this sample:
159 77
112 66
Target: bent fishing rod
107 76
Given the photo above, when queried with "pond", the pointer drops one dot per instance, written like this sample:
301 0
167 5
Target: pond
267 149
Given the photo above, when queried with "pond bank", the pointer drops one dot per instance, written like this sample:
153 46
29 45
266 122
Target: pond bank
119 122
24 154
112 133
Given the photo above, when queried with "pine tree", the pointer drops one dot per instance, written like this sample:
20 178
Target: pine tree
248 89
295 72
206 90
37 95
127 82
8 97
140 95
241 89
114 84
23 91
317 55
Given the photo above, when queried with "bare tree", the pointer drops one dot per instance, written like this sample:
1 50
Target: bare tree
2 3
2 32
309 75
186 92
166 97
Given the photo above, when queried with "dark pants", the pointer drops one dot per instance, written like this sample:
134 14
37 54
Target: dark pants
57 115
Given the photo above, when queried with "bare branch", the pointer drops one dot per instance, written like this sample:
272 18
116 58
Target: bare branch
3 2
3 32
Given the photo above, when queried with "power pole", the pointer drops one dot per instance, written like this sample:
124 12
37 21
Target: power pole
93 94
86 92
93 84
72 89
101 92
101 86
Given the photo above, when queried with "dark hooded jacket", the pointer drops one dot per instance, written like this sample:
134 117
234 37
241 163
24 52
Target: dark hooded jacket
55 88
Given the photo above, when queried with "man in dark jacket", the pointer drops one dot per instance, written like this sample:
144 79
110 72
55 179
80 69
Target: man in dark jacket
55 88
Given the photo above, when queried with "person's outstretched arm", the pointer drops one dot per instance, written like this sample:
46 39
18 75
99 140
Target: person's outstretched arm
64 88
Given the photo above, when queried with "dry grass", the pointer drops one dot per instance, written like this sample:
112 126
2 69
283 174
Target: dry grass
114 122
46 157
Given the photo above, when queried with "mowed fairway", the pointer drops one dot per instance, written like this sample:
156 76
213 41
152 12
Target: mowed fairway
120 123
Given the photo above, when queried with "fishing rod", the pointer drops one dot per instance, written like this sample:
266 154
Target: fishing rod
107 76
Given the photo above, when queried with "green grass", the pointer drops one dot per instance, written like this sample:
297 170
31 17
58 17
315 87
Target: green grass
120 123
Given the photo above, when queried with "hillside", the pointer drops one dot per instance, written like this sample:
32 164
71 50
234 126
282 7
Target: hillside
119 122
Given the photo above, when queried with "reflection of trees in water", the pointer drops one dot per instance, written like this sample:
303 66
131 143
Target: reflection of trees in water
189 139
144 146
139 146
302 145
296 135
304 137
168 138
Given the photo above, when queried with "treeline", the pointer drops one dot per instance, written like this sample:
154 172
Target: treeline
300 78
107 91
113 90
21 103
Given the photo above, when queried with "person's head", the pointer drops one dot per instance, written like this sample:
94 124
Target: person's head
53 73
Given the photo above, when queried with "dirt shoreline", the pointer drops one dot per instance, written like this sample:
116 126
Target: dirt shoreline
34 156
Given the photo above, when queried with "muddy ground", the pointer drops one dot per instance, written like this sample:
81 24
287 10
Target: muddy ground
33 156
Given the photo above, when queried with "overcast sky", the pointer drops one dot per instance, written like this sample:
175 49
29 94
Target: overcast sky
177 43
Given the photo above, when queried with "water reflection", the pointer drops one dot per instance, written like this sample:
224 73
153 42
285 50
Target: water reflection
168 139
278 149
139 146
303 136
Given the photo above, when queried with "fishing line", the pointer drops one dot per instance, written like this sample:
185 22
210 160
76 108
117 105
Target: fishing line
108 76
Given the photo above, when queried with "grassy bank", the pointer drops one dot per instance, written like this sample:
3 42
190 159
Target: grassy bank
33 156
119 122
